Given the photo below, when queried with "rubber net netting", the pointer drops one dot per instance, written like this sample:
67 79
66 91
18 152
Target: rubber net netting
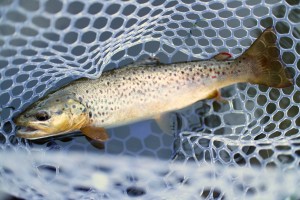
247 147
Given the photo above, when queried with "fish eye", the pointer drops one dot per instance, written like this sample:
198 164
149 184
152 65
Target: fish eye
42 116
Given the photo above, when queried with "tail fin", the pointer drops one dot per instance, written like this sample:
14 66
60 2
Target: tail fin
265 63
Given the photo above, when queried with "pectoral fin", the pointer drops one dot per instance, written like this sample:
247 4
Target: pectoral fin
95 143
95 133
222 56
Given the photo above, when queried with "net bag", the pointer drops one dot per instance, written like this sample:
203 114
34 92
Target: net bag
237 148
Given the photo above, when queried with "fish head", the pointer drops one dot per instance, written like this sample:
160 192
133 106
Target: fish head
54 115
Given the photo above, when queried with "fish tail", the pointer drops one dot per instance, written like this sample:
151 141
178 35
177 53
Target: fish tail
263 62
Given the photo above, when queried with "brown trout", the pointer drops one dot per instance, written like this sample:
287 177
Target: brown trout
147 90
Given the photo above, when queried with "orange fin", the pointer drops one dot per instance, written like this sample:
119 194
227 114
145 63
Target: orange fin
95 133
216 94
222 56
96 143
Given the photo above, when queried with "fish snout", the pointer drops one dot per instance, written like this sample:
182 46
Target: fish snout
18 120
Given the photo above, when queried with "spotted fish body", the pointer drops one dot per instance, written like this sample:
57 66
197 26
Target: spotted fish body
136 92
149 89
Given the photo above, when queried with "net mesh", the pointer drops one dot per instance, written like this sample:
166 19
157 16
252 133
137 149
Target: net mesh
46 44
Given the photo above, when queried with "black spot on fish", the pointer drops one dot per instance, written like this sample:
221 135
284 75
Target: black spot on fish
57 100
228 63
90 114
87 91
73 106
80 99
58 112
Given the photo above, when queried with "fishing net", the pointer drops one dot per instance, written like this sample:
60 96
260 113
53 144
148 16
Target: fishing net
246 147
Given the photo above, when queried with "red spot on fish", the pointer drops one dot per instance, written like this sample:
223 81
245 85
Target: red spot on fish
226 54
214 77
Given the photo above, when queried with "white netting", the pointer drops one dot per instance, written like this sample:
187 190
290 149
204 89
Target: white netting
45 44
95 176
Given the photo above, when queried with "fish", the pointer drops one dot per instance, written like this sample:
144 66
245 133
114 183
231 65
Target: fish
149 89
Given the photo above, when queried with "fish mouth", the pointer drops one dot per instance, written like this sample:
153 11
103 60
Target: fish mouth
29 132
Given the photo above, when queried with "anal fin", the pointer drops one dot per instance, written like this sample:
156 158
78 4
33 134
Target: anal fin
95 133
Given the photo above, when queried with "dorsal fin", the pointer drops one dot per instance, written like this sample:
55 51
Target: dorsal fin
148 61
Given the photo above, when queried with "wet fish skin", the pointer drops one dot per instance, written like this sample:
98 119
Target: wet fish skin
141 91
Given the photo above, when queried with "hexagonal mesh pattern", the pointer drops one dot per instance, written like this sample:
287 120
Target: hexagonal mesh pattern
46 44
138 179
